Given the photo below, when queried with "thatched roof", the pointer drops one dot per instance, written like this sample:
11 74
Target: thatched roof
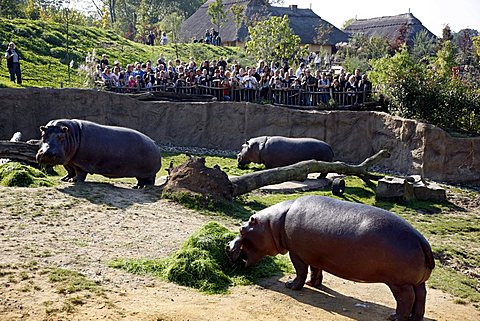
304 22
388 27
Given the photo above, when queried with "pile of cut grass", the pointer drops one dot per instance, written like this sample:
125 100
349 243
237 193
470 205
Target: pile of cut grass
202 263
13 174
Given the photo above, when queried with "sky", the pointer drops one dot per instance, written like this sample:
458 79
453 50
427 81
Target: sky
434 14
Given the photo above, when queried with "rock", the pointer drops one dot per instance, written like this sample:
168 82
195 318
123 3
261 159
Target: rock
427 191
393 188
409 188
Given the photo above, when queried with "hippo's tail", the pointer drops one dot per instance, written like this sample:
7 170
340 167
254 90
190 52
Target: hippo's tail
427 250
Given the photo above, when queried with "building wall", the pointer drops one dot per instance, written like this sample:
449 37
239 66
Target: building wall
416 148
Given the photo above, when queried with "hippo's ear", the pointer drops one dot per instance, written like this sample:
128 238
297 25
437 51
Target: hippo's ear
64 129
253 220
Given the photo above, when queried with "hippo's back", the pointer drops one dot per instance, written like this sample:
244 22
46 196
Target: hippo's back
357 242
116 151
283 151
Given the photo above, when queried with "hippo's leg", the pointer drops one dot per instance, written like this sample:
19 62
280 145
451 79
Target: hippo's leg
322 175
70 173
142 182
405 297
302 272
80 175
419 305
316 277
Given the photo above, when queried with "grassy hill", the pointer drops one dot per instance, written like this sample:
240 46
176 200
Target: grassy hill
42 47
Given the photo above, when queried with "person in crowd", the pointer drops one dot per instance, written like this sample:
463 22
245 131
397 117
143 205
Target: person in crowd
151 39
324 87
107 77
308 81
132 84
299 70
317 61
128 72
164 39
351 89
358 75
208 37
365 85
13 63
104 61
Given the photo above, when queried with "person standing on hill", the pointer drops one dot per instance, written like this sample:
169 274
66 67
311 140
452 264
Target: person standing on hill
13 63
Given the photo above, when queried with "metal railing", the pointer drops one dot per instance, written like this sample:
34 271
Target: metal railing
304 97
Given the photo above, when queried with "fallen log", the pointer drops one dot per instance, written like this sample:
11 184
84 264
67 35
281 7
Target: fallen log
298 172
18 151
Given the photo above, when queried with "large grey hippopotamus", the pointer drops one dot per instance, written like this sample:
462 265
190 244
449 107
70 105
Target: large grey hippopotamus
85 147
278 151
353 241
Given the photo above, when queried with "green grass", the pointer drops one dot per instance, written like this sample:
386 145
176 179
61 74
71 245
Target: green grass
13 174
42 47
453 233
67 281
202 263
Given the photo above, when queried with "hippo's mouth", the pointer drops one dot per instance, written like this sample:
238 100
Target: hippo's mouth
49 160
235 252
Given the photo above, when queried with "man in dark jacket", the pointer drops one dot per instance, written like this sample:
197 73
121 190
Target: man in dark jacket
13 63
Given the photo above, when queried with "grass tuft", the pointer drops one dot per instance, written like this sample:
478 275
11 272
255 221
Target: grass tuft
202 263
13 174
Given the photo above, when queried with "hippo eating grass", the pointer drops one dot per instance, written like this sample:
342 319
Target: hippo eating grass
353 241
84 147
278 151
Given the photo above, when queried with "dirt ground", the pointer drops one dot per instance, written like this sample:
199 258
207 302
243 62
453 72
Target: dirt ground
81 228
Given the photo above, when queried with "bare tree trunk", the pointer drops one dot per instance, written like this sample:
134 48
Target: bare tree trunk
18 151
298 172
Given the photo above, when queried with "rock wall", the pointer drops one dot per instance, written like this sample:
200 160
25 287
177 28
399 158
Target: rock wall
416 148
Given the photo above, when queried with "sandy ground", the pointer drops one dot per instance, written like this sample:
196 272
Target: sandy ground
81 228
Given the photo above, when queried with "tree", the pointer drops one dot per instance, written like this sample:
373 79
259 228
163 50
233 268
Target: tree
237 11
216 13
274 40
423 46
171 25
11 8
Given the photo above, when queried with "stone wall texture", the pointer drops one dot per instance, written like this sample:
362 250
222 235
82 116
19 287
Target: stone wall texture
416 148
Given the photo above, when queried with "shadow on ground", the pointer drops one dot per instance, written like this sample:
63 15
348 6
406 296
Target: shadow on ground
112 195
332 301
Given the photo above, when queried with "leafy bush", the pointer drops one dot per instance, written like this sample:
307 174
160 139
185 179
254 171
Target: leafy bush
427 92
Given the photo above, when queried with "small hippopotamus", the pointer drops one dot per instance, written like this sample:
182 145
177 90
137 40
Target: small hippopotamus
278 151
353 241
85 147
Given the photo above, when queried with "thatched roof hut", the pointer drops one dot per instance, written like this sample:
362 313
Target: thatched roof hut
304 23
389 27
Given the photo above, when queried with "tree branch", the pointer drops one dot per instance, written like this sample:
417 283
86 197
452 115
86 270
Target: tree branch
298 172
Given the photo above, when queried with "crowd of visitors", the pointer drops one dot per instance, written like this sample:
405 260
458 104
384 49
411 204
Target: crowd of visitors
261 82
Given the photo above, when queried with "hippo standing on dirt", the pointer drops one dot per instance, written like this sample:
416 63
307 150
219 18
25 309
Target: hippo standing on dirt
84 147
353 241
278 151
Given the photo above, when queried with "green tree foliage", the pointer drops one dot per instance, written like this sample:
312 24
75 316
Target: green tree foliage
237 11
428 92
273 39
423 46
217 13
360 49
12 8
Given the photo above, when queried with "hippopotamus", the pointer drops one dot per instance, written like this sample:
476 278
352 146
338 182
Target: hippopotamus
278 151
353 241
85 147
